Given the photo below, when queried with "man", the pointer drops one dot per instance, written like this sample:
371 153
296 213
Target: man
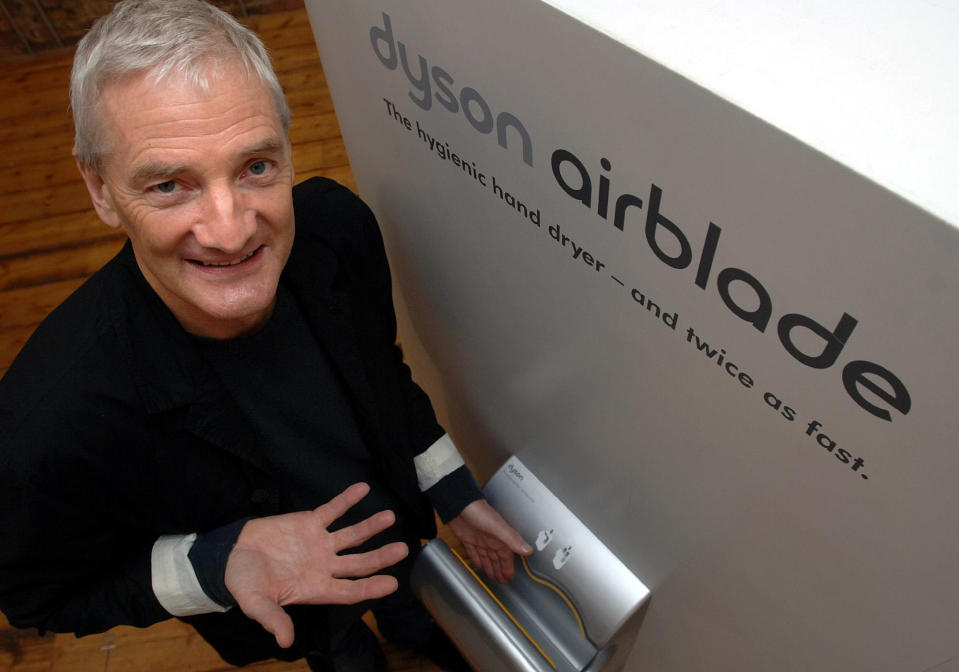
206 425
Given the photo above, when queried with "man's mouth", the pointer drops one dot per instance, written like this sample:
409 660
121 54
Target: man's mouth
224 264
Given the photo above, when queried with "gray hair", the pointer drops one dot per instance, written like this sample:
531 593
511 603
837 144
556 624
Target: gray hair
160 38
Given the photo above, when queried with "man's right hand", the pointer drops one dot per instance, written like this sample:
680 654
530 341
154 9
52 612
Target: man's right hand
293 559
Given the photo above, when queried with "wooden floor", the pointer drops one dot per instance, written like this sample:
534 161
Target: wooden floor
50 240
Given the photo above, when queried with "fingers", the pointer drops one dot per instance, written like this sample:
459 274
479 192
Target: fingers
501 540
354 535
364 564
342 503
496 563
489 540
500 561
506 567
478 557
516 543
270 615
493 524
358 590
511 538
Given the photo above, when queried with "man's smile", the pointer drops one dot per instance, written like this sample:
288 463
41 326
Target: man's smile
224 264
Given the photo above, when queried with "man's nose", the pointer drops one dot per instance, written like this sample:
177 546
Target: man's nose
227 223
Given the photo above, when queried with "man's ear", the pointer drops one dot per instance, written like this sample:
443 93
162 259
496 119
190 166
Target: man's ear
100 195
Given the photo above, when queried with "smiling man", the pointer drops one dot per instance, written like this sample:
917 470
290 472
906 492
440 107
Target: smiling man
218 426
202 187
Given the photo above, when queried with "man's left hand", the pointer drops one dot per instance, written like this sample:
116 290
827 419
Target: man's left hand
489 540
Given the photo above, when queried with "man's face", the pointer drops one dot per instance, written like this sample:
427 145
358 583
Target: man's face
201 183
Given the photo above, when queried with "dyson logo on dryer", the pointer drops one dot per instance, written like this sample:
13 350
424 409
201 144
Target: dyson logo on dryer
515 473
872 386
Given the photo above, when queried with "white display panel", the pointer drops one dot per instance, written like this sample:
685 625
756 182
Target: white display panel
747 390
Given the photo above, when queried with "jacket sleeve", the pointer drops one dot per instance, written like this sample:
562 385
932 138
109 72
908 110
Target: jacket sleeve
85 513
441 471
89 482
64 567
66 563
328 214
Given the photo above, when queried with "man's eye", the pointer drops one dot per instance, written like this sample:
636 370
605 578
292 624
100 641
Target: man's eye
167 187
259 168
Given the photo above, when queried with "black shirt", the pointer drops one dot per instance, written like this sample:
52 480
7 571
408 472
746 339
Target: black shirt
283 382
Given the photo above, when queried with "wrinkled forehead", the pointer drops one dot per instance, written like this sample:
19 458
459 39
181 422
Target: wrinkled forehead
151 104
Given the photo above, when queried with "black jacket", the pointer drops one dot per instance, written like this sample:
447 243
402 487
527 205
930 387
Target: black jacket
114 431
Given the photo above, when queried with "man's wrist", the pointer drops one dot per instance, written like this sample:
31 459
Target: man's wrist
208 557
454 493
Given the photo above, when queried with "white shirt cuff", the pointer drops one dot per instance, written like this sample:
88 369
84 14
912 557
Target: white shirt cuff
437 461
174 581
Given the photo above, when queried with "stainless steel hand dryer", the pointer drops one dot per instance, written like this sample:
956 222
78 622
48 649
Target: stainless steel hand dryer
573 606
